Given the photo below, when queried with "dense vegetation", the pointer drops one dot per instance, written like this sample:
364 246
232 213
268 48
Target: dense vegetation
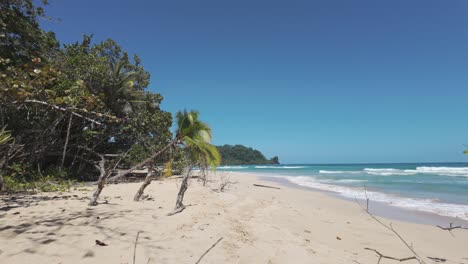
81 111
241 155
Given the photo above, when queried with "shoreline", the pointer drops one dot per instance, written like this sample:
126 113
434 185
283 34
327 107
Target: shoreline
418 209
380 208
258 225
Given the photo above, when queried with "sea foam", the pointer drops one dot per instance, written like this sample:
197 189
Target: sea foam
280 167
443 171
425 205
232 167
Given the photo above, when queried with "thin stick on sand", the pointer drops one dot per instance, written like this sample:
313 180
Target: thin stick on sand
134 249
206 252
265 186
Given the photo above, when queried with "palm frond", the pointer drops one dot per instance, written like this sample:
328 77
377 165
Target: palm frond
168 168
4 136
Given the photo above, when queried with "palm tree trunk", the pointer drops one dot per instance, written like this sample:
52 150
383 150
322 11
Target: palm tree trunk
148 179
180 196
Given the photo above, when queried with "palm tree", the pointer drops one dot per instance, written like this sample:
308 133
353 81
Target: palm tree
197 141
195 136
120 93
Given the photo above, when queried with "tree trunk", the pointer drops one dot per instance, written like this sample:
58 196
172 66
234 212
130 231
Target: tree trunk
141 164
2 184
105 174
180 196
203 172
66 142
148 179
101 181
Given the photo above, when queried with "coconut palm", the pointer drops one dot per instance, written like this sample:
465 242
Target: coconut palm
196 138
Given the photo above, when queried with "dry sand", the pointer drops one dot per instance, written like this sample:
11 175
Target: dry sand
258 225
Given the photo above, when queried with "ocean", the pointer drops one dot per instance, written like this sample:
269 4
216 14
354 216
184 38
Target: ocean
440 188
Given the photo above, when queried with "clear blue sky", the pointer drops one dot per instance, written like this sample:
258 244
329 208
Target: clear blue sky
310 81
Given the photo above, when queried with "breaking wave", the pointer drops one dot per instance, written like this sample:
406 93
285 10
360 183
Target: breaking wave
443 171
425 205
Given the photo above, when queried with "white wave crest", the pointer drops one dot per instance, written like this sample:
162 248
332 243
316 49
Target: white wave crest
446 171
339 172
232 167
279 167
389 172
425 205
443 171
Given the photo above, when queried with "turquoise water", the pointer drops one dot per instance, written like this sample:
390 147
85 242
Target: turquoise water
440 188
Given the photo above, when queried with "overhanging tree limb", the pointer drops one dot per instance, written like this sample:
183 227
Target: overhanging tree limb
65 109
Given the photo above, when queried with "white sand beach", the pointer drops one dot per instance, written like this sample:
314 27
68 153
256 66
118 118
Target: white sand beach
258 225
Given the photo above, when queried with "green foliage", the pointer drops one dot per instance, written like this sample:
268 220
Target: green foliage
196 137
21 38
20 177
241 155
85 96
5 136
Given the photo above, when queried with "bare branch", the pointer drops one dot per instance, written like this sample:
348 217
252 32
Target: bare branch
390 227
134 249
208 250
69 110
265 186
381 256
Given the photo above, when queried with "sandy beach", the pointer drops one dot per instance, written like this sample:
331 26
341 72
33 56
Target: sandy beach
257 225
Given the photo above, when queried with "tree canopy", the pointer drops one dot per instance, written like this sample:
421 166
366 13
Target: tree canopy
62 105
241 155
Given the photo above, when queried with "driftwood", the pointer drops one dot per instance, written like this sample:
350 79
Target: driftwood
208 250
265 186
437 259
382 256
100 243
451 227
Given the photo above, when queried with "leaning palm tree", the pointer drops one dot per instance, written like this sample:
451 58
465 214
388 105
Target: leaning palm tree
195 136
197 141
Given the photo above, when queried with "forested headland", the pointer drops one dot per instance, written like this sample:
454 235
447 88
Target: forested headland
242 155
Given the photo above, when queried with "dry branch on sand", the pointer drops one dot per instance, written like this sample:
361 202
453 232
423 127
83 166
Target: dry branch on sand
208 250
382 256
265 186
390 227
